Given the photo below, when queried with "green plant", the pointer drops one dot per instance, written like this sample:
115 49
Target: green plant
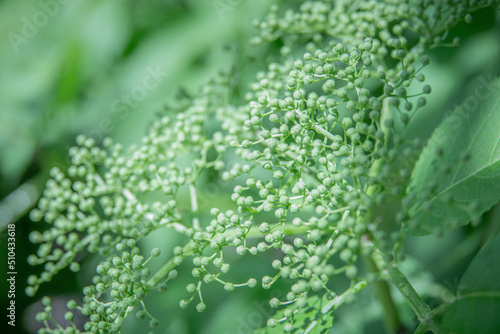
314 154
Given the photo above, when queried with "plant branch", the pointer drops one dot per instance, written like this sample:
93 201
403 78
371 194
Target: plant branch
391 319
194 207
421 309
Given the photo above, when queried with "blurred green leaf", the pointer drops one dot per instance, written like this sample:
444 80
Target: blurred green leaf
462 181
476 308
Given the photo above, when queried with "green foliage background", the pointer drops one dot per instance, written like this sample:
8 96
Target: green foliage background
64 80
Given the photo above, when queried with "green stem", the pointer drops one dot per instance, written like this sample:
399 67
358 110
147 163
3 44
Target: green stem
376 263
417 304
391 318
289 230
167 267
421 309
194 207
323 132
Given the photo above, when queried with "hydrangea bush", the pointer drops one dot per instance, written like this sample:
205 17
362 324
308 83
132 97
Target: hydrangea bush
307 160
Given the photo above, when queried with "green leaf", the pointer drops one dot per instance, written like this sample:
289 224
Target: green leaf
455 187
484 270
476 308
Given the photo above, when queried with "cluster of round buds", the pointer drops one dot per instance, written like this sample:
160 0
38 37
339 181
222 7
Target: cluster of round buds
319 145
206 249
381 20
296 316
87 211
120 284
101 206
47 318
329 154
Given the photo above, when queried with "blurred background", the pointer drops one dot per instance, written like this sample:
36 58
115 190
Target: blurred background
108 68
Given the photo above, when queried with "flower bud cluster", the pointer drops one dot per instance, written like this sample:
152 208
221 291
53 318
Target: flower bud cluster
319 141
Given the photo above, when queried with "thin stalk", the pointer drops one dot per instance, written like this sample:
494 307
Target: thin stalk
167 267
194 207
421 309
377 263
391 318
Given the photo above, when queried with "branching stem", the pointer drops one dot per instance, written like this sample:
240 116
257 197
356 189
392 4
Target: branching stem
421 309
